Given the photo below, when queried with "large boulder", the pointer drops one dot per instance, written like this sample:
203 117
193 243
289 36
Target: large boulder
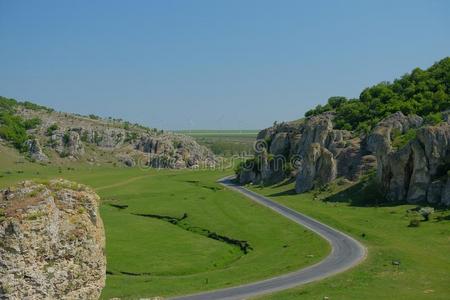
51 242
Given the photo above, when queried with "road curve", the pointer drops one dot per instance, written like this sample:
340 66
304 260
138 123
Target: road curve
346 252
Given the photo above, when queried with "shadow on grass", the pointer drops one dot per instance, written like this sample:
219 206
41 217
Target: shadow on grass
285 182
284 193
443 218
244 246
366 193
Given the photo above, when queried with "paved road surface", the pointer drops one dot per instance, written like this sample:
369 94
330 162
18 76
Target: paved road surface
346 253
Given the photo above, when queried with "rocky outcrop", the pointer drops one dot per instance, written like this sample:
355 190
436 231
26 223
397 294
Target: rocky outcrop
76 137
67 144
127 160
35 150
51 242
418 171
327 153
317 154
309 150
318 168
105 137
174 151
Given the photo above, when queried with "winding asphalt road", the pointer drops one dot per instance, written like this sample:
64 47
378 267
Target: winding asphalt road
346 252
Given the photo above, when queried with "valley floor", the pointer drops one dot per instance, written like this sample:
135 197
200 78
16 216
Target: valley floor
170 251
148 255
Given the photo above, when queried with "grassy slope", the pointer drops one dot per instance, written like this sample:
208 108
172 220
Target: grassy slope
424 272
179 261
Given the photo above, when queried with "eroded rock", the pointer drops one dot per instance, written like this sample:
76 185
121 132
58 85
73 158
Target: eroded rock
51 242
417 172
35 150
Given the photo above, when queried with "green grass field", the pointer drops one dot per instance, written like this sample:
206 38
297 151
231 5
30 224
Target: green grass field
423 252
225 142
152 257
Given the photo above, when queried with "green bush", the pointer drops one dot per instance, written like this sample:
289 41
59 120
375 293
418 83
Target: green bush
433 119
12 128
52 128
399 140
32 123
94 117
7 104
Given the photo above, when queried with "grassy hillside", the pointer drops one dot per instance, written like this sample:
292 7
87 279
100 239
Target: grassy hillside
424 270
150 256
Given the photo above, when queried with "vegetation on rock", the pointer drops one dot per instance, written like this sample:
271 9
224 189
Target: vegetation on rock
422 92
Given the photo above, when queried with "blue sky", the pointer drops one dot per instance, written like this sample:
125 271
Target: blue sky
211 64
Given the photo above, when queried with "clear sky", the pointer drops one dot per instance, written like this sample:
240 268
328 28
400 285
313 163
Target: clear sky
211 64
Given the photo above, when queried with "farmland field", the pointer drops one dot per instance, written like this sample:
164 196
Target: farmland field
225 142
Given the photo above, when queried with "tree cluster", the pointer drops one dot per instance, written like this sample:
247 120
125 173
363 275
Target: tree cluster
422 92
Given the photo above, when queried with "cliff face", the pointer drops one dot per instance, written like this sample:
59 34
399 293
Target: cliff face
51 242
417 171
317 154
314 153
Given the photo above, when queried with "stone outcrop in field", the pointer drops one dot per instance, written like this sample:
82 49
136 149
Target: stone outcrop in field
51 242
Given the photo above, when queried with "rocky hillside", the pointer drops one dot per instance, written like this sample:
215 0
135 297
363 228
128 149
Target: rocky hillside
411 153
45 135
51 242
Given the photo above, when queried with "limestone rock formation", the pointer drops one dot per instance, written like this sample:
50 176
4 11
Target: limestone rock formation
67 144
35 150
51 242
311 151
76 137
418 171
174 151
318 154
318 168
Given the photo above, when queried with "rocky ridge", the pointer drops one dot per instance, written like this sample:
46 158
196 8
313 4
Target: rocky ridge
63 136
51 242
313 153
